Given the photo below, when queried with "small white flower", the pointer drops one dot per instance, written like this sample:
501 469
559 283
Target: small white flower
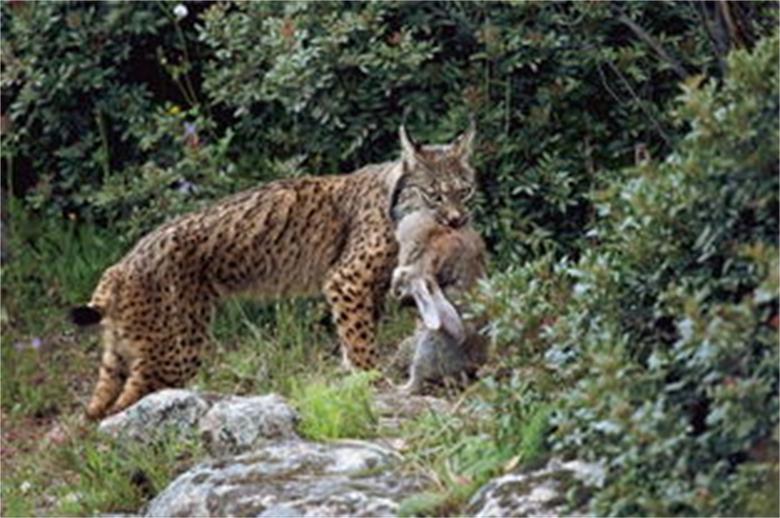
180 11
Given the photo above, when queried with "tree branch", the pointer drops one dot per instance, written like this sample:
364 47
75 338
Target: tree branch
641 104
654 44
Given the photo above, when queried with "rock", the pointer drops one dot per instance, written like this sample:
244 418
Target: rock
291 478
539 492
229 424
167 411
236 424
395 406
280 511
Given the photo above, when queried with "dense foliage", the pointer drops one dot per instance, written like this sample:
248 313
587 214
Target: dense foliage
124 112
665 332
628 170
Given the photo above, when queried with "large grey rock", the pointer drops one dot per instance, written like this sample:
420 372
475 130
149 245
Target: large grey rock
226 424
539 492
236 424
395 406
291 478
167 411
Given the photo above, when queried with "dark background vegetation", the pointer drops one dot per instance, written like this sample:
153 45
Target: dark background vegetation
628 189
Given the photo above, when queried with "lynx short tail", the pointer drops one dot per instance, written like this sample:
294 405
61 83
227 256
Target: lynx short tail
102 300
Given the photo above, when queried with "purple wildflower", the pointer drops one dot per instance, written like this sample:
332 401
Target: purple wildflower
36 343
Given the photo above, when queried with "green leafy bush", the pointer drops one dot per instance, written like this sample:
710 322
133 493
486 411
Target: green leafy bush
331 85
71 93
125 114
664 347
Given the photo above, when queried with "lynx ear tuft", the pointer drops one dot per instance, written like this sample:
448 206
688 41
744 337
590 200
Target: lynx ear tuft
409 149
84 316
464 144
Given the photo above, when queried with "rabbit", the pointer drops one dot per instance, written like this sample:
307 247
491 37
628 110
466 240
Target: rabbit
437 264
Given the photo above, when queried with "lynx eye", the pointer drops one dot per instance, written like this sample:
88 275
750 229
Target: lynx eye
465 194
434 196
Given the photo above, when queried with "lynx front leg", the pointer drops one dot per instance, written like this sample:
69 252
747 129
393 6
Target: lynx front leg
350 293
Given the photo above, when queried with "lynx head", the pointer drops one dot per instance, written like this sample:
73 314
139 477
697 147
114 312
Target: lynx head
435 178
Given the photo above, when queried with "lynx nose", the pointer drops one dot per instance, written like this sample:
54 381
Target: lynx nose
456 219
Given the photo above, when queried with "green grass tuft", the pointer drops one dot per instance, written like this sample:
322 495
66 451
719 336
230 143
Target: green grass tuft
112 476
87 473
341 409
534 433
269 348
426 504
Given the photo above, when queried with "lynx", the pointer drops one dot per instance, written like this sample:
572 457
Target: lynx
302 236
434 259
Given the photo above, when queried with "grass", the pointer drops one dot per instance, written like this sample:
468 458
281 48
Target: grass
111 476
86 473
461 451
340 409
430 504
26 388
267 348
533 434
53 265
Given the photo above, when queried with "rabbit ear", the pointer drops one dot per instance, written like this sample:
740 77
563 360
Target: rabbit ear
435 310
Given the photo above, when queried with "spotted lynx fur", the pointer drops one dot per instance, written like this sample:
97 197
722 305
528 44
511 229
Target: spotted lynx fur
437 265
328 234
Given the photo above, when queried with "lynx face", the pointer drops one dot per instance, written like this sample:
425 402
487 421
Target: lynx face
438 179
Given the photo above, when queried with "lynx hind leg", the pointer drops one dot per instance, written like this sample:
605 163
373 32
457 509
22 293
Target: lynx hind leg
111 379
174 362
181 362
140 382
351 299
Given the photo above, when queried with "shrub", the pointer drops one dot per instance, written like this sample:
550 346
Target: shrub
665 345
124 114
331 85
70 91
